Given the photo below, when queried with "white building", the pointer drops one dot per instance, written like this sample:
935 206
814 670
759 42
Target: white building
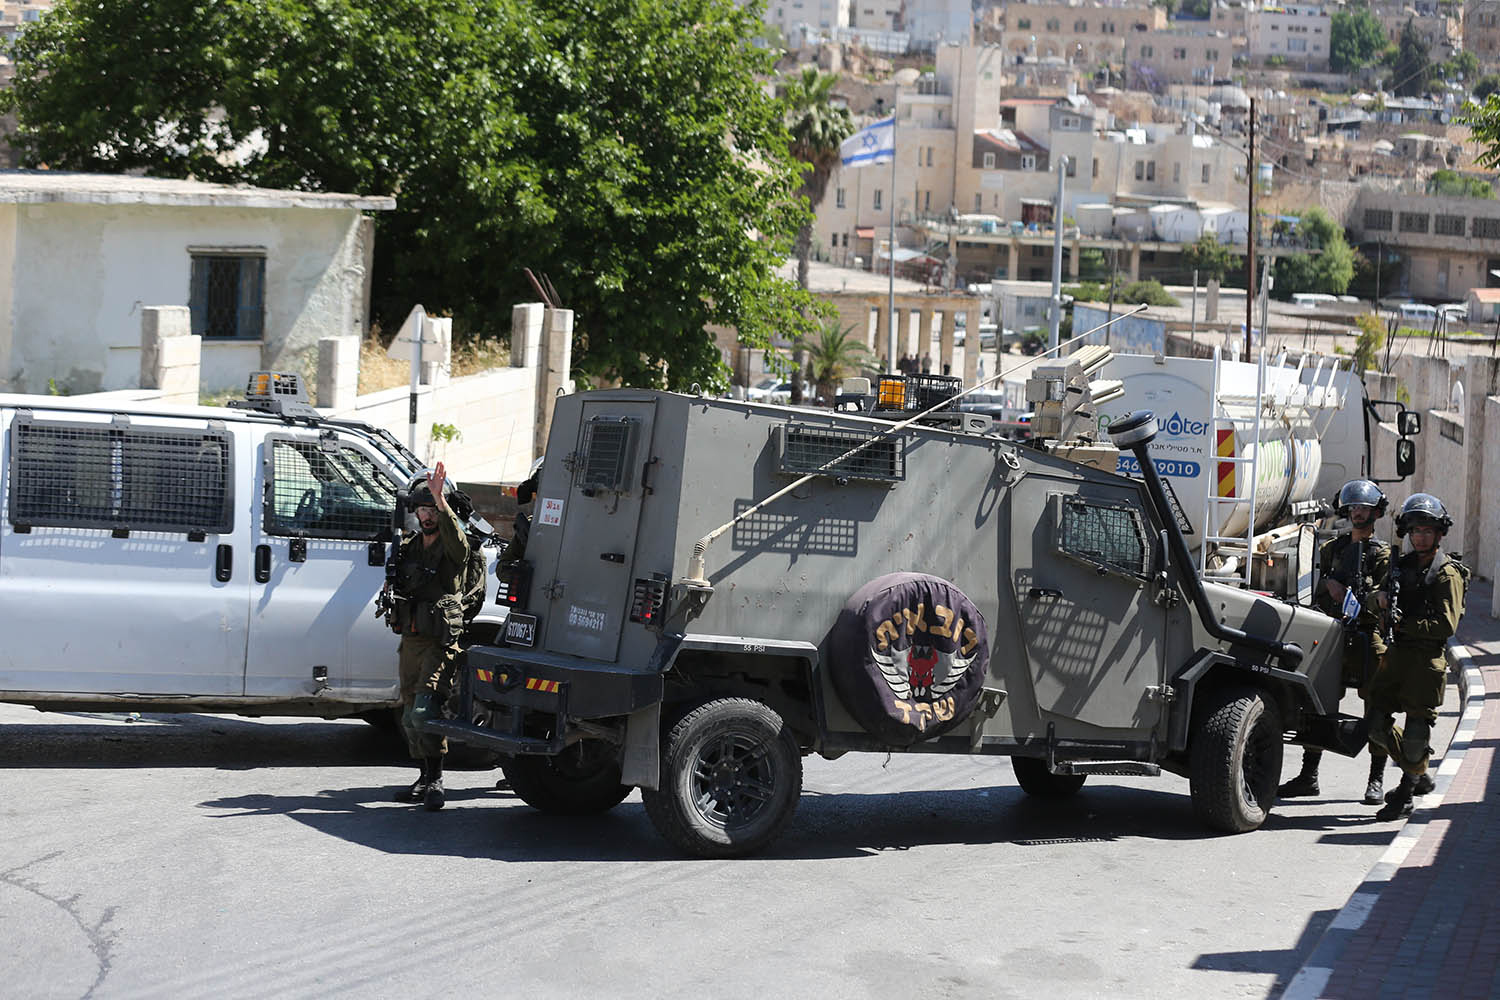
824 15
266 274
933 22
1292 35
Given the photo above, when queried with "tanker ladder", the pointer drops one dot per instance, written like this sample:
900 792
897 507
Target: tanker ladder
1232 469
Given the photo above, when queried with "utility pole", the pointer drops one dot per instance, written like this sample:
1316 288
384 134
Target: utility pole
1193 322
1057 217
1250 242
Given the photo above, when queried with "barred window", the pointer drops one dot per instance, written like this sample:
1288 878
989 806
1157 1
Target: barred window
1448 225
78 475
1377 219
1109 536
1413 222
327 490
1487 229
228 296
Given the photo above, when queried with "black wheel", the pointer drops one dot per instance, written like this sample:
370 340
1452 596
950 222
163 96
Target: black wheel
1034 778
730 778
583 780
1235 760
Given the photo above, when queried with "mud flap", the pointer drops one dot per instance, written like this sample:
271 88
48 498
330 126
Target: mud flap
640 763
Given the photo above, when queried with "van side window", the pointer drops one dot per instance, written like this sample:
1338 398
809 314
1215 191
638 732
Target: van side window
1109 536
75 475
321 492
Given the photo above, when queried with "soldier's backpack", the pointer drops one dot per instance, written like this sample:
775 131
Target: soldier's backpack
1464 574
473 586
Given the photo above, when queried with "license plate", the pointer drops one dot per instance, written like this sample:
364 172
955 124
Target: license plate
520 630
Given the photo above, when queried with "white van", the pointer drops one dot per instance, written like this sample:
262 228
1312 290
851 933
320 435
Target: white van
167 558
1416 312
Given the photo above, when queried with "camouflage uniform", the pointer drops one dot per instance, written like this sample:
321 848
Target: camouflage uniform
1414 674
430 622
1339 560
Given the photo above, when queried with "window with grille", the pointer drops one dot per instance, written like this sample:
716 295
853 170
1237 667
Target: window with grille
228 296
604 462
1487 229
1413 222
804 449
1448 225
75 475
1109 536
1378 219
324 489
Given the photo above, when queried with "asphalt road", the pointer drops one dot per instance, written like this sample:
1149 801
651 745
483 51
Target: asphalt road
195 855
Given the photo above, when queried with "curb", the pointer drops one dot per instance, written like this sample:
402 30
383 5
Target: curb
1314 974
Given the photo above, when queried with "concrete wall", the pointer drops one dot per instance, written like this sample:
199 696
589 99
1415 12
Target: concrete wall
74 277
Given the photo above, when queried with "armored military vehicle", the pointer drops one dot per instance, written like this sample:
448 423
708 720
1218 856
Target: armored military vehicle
712 589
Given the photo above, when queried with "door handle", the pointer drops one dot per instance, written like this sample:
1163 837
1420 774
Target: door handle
1049 593
262 564
224 564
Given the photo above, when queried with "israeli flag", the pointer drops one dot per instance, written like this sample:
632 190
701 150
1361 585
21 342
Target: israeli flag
1351 605
875 143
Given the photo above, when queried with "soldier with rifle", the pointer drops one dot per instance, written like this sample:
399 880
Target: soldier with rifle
1352 567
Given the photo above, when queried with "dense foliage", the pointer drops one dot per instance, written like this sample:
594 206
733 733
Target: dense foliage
1210 258
1355 38
625 148
1454 184
1329 271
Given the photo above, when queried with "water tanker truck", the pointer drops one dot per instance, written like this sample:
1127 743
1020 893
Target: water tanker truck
713 589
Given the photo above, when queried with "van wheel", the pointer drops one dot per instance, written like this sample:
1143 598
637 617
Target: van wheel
583 780
1034 778
1235 760
731 777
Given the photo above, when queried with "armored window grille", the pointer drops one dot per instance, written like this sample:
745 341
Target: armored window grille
1110 536
322 491
123 478
808 449
227 296
604 460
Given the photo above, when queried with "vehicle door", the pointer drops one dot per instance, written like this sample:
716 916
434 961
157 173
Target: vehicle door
320 534
1093 636
124 563
589 532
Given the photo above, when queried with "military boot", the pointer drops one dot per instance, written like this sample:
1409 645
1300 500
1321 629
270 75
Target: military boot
1305 783
417 789
432 796
1399 802
1421 785
1375 787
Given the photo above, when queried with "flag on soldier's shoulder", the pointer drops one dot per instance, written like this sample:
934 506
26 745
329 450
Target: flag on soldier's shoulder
875 143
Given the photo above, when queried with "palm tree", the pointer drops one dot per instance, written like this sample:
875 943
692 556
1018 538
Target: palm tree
834 355
817 126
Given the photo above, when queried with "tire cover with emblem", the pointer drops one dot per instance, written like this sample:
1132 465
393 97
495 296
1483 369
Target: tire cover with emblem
897 663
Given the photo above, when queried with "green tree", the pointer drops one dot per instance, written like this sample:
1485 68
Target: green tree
818 127
1454 184
1367 346
625 148
1210 258
1355 37
832 355
1464 65
1328 271
1410 71
1486 85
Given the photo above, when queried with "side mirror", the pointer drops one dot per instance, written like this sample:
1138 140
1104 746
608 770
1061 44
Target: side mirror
1406 457
1408 423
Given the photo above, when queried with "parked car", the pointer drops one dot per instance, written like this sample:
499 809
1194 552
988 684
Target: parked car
186 558
774 390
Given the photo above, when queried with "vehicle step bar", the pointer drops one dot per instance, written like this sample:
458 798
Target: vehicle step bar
490 739
1138 768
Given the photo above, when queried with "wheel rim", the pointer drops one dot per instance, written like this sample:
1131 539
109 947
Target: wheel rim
733 781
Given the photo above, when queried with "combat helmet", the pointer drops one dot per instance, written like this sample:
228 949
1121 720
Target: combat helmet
1423 508
1362 492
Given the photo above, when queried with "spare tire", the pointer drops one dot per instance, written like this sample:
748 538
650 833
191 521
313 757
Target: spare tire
908 656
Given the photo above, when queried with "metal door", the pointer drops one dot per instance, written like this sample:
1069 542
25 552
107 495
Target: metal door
594 524
1094 638
321 530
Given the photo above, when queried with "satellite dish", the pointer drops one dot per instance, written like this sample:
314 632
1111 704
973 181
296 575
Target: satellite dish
907 77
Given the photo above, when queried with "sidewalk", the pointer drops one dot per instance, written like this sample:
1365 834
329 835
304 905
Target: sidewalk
1426 920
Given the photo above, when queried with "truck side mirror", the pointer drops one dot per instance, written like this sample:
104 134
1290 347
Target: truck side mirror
1408 423
1406 457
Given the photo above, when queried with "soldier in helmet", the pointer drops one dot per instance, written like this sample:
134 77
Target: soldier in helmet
1414 674
430 565
1353 560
